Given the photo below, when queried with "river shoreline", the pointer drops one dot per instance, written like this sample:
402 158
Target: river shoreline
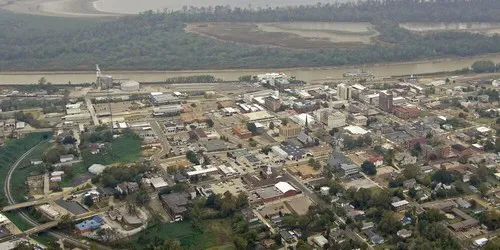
308 74
192 71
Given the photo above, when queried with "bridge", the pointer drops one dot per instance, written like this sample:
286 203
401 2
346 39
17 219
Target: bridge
51 224
25 204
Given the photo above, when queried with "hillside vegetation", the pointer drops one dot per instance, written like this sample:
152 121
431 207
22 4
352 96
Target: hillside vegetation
157 41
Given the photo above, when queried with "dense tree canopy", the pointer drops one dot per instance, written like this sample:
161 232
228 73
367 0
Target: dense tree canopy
158 40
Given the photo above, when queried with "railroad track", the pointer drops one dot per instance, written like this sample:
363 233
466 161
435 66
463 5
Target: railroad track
24 216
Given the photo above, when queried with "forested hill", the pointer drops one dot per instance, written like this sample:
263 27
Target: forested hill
158 40
366 11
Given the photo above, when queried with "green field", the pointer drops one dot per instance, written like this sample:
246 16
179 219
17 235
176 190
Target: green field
124 149
12 151
216 234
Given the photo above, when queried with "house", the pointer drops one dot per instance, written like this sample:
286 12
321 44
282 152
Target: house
105 192
286 237
350 170
403 233
175 204
400 205
96 169
89 225
178 177
408 184
94 194
127 187
320 241
374 238
463 203
158 183
66 158
377 160
96 148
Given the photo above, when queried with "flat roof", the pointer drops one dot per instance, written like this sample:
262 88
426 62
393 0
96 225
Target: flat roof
202 171
158 182
259 115
356 130
400 203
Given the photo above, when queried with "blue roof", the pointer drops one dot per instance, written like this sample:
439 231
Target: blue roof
91 224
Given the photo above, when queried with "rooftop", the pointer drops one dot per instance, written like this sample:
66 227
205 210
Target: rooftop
356 130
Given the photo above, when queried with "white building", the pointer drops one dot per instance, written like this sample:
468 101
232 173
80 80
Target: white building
96 169
344 92
249 97
130 86
330 117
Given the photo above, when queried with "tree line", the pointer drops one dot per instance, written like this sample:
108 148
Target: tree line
157 40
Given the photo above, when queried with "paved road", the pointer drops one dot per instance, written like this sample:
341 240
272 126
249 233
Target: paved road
91 109
165 145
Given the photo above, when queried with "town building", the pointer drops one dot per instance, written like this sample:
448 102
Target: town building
400 205
241 132
349 170
168 110
198 135
344 92
330 117
175 204
290 130
277 191
163 99
386 101
272 103
66 158
406 112
89 225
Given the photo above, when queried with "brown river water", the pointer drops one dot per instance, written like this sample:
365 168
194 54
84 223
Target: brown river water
306 74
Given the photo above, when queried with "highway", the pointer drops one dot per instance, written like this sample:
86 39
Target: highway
30 221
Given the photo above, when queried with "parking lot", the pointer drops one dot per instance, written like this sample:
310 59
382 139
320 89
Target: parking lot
234 186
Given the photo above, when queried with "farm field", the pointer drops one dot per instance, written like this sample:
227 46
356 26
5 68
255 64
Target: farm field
294 35
489 29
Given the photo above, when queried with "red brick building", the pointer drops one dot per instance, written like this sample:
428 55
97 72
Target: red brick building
242 133
406 112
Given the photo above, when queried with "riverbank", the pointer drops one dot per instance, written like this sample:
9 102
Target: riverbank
63 8
309 74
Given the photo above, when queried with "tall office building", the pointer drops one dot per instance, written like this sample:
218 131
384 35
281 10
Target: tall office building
344 92
386 100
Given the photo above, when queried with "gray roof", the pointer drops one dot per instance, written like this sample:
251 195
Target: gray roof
72 206
292 150
337 159
347 167
176 202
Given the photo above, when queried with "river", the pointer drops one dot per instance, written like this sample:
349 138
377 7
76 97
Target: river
306 74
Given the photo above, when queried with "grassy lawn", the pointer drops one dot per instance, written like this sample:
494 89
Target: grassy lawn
24 170
216 234
124 149
12 151
485 120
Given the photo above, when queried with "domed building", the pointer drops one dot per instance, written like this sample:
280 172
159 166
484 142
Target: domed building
130 86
